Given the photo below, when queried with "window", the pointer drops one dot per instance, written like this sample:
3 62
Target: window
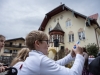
57 36
51 38
6 51
68 23
81 35
20 44
14 51
11 43
71 37
0 57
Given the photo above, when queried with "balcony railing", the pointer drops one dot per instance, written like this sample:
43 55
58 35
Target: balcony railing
15 46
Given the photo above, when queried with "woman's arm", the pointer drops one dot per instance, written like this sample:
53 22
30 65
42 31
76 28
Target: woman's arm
50 67
67 59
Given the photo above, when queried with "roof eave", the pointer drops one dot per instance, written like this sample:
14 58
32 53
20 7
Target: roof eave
56 11
15 39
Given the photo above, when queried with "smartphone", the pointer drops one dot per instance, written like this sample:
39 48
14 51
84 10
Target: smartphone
5 64
78 42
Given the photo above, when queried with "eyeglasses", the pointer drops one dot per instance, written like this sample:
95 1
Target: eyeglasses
45 40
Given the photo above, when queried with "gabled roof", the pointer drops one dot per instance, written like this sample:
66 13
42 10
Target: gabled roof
94 16
57 28
15 39
58 10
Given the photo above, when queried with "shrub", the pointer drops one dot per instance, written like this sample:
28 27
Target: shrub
92 49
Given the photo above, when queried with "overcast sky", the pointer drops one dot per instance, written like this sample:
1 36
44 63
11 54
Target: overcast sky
19 17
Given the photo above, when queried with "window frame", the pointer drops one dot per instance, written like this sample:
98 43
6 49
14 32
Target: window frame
6 51
81 34
68 23
70 37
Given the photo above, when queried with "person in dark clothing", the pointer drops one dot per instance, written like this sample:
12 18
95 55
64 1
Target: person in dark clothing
85 69
98 54
94 66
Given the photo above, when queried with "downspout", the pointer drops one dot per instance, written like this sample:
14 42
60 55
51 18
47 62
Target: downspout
96 36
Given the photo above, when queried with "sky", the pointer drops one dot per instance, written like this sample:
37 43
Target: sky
19 17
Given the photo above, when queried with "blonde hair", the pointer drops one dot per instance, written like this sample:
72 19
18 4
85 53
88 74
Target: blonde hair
21 56
32 37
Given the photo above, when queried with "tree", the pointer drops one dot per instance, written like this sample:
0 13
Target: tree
92 49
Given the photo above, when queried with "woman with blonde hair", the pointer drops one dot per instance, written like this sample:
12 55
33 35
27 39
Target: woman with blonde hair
39 64
20 58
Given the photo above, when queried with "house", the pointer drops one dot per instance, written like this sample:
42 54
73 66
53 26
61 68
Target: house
12 46
70 26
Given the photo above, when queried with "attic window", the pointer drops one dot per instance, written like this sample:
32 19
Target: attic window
68 23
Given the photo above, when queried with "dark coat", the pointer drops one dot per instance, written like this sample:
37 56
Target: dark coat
94 66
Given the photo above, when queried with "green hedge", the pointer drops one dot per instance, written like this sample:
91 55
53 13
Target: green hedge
92 49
